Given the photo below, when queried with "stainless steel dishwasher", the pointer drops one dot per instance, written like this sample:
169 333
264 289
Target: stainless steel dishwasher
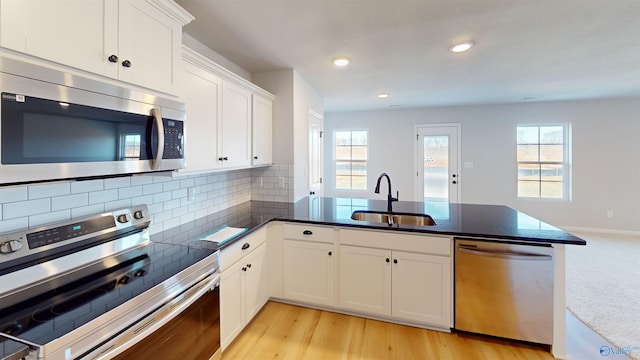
504 289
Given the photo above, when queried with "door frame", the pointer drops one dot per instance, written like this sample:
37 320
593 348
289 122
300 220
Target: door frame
418 152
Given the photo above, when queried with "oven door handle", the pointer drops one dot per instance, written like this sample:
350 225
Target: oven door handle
157 319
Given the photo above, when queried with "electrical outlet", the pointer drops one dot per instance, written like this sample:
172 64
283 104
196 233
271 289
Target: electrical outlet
191 193
260 184
280 184
609 213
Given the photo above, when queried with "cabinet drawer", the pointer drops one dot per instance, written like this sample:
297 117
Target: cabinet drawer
392 240
242 247
308 233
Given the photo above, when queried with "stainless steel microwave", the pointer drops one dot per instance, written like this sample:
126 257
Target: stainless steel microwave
54 125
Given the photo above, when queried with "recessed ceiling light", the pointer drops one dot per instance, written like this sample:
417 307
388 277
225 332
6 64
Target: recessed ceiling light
341 61
460 47
383 96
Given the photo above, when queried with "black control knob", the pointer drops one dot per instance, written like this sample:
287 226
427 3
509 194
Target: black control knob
124 280
138 214
113 59
126 63
139 273
124 218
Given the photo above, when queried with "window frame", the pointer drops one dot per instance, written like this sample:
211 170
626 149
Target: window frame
336 160
565 164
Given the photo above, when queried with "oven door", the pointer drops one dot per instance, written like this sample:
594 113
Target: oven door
187 328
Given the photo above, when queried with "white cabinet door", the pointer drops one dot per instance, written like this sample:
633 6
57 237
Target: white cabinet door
127 40
256 284
309 272
421 288
202 92
365 279
70 32
151 42
261 130
234 129
232 304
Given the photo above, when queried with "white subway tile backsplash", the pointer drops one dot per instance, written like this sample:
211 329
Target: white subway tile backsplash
118 182
49 190
26 208
103 196
51 217
12 194
87 186
69 201
166 197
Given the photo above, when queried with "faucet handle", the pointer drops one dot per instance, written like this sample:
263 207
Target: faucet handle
397 196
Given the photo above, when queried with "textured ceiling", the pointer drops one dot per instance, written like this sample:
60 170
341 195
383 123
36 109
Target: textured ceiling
526 50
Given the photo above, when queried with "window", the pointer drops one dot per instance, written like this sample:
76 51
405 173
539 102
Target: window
351 160
543 162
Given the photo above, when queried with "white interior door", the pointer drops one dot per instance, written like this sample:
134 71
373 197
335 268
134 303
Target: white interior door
316 126
437 163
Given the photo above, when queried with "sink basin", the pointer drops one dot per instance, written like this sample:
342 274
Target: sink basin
396 218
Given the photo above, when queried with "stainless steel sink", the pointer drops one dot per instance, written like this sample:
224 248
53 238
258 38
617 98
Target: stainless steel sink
393 218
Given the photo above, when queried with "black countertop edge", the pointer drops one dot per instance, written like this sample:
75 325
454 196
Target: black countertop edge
481 222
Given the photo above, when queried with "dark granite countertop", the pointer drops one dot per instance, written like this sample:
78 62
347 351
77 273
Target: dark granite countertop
460 220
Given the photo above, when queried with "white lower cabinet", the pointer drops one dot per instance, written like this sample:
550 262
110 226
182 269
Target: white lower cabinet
308 272
243 292
401 285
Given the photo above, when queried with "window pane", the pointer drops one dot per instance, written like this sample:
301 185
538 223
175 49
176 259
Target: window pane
551 135
343 182
359 153
551 172
343 168
551 153
527 135
528 153
343 137
359 183
528 189
529 172
359 168
343 152
551 190
359 138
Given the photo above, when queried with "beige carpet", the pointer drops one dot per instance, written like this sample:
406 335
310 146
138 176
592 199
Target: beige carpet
603 287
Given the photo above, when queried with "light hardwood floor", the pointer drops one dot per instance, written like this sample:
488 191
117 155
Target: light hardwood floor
282 331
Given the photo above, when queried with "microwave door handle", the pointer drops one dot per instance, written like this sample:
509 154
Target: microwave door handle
157 116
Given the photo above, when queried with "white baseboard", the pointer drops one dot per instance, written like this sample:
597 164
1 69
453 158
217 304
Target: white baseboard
571 229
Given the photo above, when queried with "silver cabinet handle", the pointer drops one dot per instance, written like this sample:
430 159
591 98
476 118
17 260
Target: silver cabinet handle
505 254
157 116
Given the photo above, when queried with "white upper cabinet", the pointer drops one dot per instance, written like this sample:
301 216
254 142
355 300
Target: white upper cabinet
202 93
234 129
135 41
261 130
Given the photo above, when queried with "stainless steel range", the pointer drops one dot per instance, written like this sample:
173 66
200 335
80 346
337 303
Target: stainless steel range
99 288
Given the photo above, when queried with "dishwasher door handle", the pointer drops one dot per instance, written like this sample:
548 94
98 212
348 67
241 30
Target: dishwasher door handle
504 254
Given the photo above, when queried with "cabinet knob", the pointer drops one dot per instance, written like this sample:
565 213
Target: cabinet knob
220 159
225 158
244 269
395 261
248 266
455 182
255 158
126 63
113 58
307 232
245 246
330 253
388 260
312 193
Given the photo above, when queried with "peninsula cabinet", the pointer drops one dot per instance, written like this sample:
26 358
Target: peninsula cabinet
134 41
412 286
243 284
309 262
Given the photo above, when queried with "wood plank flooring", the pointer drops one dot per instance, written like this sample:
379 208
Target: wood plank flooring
282 331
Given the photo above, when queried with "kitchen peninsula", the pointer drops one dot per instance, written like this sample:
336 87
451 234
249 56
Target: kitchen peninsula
304 253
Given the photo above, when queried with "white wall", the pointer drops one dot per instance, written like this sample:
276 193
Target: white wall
606 156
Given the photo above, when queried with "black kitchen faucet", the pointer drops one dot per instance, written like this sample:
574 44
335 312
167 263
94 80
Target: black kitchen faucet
390 198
